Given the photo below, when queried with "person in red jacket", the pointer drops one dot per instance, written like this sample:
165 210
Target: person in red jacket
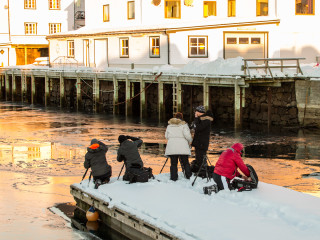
227 167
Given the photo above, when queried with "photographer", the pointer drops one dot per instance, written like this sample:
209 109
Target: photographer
227 167
96 159
128 152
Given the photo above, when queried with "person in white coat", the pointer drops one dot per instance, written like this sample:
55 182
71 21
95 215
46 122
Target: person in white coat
178 145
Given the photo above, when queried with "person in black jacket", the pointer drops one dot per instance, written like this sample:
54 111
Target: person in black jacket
96 159
202 129
128 152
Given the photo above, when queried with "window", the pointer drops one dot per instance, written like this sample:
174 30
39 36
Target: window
243 40
172 9
255 40
262 7
231 40
30 4
231 8
106 16
305 7
209 8
30 28
54 4
131 10
198 46
54 28
70 48
155 47
124 47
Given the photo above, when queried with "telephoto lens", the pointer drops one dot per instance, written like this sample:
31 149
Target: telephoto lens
208 190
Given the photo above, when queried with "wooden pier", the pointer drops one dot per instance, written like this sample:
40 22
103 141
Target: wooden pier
124 87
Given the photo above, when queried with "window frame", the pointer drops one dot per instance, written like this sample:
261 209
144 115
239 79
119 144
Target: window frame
206 55
214 8
54 4
70 49
30 4
35 28
305 14
103 16
165 9
151 47
260 1
121 47
232 8
54 24
128 10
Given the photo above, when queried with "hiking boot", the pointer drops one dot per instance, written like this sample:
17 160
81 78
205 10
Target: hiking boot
97 184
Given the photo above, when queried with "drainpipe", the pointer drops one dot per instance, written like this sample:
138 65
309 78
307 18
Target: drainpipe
276 7
9 32
141 11
168 46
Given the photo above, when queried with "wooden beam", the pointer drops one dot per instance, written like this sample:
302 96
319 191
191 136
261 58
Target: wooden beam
62 94
179 95
46 90
269 107
205 94
78 87
128 97
143 105
96 94
23 87
115 95
14 87
33 89
161 107
237 105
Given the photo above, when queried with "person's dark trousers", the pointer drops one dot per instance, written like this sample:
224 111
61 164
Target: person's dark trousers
174 166
200 155
105 178
222 182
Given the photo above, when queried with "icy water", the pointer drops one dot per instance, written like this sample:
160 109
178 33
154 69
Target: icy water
42 153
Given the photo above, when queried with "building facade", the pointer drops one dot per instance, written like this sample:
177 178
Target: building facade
26 23
148 33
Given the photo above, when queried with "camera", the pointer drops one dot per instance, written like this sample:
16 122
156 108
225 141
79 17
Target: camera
208 190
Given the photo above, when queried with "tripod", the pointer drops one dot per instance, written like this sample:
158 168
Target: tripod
204 161
182 167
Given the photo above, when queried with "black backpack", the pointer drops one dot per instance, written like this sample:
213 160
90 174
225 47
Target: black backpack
139 175
242 185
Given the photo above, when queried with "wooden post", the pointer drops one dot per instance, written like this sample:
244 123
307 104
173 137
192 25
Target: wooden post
62 99
179 96
161 107
269 107
33 89
6 76
128 97
115 95
96 94
46 90
23 87
237 105
78 86
143 105
1 80
14 87
205 94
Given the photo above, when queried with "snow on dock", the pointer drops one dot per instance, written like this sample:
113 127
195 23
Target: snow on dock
184 212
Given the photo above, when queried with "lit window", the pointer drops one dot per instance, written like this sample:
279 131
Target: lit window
262 7
209 8
54 28
305 7
106 16
30 28
255 40
231 40
131 10
54 4
30 4
231 8
198 46
154 46
172 9
70 48
124 47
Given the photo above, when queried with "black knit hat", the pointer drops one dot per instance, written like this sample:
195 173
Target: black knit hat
200 109
93 141
122 138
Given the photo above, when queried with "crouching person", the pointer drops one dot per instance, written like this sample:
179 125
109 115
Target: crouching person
226 169
95 159
129 154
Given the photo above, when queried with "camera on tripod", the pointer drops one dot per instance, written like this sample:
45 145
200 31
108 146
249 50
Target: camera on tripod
210 189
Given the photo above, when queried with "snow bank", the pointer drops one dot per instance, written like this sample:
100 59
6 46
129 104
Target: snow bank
269 212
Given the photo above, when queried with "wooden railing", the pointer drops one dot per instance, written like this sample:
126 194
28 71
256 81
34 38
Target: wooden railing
267 67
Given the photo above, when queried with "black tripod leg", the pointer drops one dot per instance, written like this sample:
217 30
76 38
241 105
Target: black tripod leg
164 164
198 172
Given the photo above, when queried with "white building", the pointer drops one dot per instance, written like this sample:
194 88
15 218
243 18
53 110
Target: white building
26 23
147 33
